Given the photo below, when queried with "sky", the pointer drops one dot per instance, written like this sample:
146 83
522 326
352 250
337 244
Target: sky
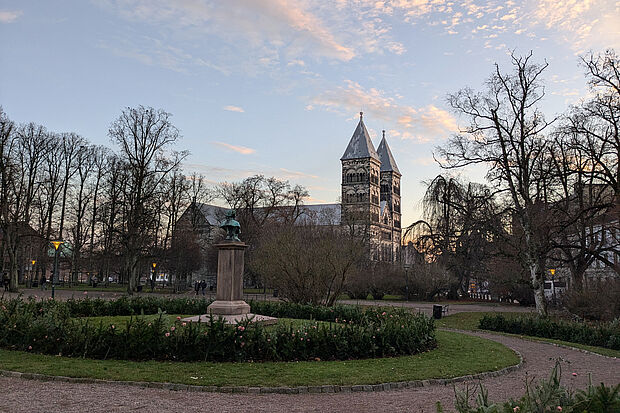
275 87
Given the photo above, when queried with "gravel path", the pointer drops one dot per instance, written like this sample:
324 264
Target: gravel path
19 395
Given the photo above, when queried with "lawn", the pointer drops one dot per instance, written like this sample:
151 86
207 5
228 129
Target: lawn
456 355
470 321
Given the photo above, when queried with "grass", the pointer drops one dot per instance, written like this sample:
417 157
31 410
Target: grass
470 321
456 355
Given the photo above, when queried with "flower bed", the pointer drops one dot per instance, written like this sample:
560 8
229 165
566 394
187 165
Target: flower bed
50 327
602 335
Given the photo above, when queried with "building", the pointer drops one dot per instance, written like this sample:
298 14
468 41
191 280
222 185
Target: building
371 194
370 202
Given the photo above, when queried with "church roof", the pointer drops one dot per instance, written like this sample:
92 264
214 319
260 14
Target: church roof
388 164
360 145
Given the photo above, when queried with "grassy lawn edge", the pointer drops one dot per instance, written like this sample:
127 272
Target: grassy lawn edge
457 355
469 321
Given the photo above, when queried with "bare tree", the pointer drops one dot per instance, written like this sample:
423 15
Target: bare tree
505 133
142 134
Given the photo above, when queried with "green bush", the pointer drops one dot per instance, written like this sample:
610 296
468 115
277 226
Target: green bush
50 327
602 335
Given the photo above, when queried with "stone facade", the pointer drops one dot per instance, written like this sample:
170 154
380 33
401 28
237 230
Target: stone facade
371 194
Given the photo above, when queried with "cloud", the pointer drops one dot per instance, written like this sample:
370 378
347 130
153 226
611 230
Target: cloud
583 24
287 25
419 123
9 16
288 174
239 149
231 108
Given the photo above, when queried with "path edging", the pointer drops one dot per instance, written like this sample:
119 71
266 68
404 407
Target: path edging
265 390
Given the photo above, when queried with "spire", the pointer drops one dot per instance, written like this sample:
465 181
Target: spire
388 164
360 145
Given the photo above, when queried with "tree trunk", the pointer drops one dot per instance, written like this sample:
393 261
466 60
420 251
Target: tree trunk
539 289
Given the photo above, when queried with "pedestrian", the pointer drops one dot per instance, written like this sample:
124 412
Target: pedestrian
43 283
203 286
5 281
196 287
152 283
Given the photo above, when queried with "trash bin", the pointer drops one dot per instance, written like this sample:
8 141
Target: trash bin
437 311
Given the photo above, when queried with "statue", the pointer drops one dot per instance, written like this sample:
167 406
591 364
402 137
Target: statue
231 226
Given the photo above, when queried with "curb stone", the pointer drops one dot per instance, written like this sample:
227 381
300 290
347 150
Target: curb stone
282 390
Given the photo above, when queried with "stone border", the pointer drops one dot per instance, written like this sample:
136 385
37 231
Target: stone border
266 390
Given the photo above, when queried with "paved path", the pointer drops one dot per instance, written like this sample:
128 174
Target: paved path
19 395
424 307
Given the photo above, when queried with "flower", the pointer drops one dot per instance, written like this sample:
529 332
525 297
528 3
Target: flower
383 313
29 347
559 408
112 327
168 334
516 409
574 374
183 324
178 318
241 328
85 292
173 328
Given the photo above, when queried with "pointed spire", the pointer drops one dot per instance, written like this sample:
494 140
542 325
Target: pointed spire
388 164
360 146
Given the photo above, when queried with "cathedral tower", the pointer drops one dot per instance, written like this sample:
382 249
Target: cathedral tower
360 184
390 215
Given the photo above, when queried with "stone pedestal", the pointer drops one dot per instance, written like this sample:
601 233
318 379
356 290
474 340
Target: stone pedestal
229 296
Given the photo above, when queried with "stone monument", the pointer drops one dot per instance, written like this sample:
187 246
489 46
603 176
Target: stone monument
229 303
230 261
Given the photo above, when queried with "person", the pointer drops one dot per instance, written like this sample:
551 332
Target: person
5 281
43 283
203 286
152 283
196 287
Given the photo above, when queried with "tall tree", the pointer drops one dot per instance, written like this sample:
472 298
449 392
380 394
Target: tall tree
505 133
142 134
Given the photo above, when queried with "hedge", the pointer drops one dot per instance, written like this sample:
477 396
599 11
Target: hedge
50 327
602 335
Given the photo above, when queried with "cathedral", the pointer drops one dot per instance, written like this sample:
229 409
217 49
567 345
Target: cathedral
371 194
369 208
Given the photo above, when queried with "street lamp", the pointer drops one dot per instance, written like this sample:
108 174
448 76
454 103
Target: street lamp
407 281
56 244
153 276
33 262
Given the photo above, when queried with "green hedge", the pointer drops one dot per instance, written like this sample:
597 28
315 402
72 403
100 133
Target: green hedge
50 327
601 335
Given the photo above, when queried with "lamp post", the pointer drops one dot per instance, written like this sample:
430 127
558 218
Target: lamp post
552 272
153 276
56 244
33 262
407 281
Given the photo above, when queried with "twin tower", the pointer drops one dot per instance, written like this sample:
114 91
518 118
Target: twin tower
371 194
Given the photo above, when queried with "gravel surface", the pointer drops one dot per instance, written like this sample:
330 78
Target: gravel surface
19 395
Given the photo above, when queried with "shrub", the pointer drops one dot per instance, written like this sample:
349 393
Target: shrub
601 335
599 300
48 327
